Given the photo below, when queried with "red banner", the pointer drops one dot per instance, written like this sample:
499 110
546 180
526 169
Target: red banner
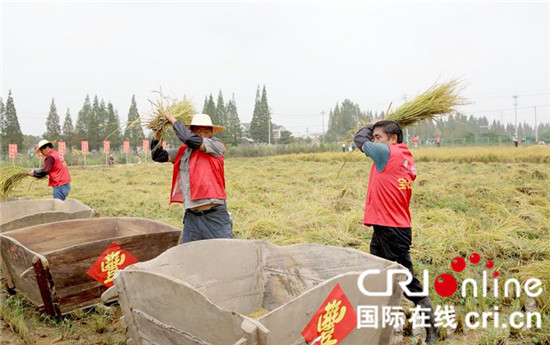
106 146
12 150
164 144
145 145
126 145
333 321
61 147
113 259
84 145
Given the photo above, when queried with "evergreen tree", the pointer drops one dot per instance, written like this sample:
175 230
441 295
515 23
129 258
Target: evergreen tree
286 137
256 128
261 130
102 120
11 130
81 128
221 117
68 132
234 131
94 127
2 123
53 128
205 105
266 115
210 108
112 128
134 131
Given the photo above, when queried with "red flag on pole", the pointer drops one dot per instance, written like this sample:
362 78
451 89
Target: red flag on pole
106 146
145 145
113 259
333 321
12 150
126 145
61 147
84 145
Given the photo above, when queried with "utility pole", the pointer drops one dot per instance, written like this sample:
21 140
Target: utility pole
536 131
323 133
516 113
406 129
269 128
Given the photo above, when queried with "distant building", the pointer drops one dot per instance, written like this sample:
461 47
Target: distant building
277 130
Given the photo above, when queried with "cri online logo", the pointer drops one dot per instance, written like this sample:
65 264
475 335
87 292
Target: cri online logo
446 285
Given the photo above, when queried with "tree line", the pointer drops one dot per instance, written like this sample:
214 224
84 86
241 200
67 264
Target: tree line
99 120
346 116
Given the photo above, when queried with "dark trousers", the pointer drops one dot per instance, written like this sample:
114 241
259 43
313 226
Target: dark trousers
204 225
394 244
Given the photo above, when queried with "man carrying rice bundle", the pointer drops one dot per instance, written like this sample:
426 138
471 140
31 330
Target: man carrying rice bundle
56 168
198 179
387 205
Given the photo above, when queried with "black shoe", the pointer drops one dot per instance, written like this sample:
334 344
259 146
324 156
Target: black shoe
432 332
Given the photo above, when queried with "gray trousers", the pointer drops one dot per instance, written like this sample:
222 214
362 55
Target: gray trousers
204 225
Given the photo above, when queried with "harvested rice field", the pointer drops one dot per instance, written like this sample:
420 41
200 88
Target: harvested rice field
494 202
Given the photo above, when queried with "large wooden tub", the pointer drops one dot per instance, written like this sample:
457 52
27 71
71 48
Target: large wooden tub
23 213
202 293
48 262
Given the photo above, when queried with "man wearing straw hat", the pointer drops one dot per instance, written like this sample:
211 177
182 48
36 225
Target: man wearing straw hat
387 204
55 167
198 178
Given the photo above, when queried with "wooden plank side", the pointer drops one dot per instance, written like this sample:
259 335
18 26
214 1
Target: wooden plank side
45 286
17 261
74 288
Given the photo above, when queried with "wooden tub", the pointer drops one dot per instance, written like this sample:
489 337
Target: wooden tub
23 213
48 262
204 292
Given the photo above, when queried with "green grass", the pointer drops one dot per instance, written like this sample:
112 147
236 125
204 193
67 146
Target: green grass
492 201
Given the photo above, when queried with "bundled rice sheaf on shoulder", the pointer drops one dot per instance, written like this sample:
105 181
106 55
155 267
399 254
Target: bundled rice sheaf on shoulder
437 100
182 110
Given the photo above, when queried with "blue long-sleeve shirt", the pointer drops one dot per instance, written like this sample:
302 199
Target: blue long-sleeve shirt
378 152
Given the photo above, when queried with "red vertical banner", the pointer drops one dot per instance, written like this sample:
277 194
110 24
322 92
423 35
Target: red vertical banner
164 144
126 145
61 147
84 145
145 145
106 146
12 150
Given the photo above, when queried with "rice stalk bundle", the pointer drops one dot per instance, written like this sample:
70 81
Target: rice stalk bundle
182 110
10 178
437 100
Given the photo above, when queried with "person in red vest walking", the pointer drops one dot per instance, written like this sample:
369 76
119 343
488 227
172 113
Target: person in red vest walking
198 180
387 204
415 141
56 168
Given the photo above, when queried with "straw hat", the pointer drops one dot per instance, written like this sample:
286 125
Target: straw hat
204 120
43 142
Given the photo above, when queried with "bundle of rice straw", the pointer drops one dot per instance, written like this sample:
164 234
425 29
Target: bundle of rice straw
182 111
10 177
437 100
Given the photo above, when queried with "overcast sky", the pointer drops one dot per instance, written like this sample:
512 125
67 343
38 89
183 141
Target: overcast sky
309 55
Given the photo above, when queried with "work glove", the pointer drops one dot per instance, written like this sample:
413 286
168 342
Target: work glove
362 136
158 154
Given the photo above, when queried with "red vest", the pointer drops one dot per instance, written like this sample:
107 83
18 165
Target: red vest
389 191
59 175
206 177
